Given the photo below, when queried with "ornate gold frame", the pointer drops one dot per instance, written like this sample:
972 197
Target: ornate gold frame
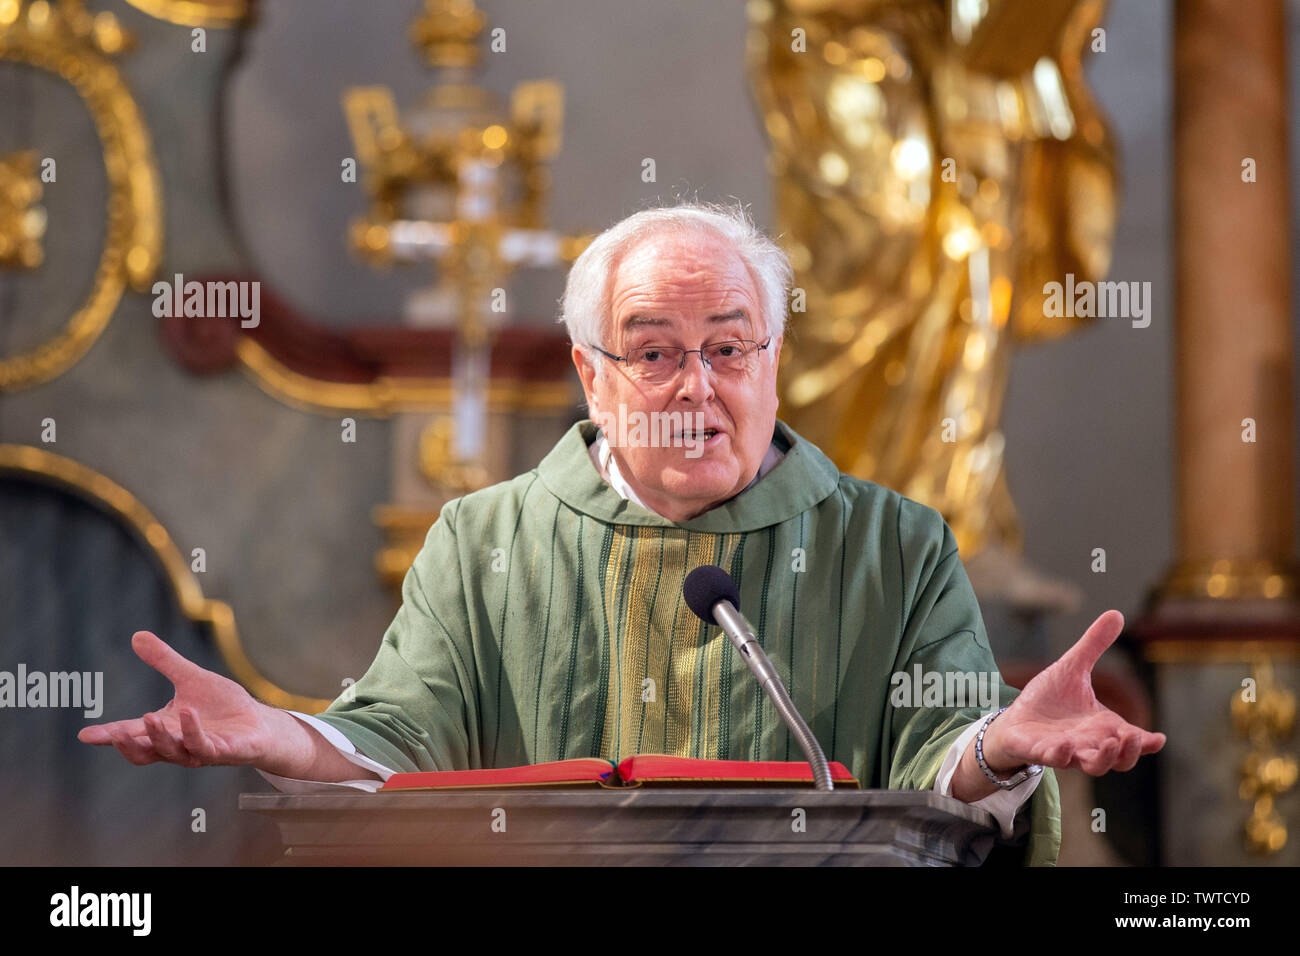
391 394
133 234
196 13
117 501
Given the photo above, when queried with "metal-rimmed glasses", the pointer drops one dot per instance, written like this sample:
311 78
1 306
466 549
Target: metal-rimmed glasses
659 363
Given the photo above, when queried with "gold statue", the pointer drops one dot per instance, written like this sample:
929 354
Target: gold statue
936 164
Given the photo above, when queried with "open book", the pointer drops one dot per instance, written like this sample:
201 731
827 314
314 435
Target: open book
638 771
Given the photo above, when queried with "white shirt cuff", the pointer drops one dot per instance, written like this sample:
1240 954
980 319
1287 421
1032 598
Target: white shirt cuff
1003 804
344 746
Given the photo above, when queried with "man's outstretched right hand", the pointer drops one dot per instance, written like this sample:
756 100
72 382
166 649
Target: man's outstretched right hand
212 720
209 720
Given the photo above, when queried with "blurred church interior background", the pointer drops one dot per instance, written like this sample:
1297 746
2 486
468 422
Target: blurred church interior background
408 187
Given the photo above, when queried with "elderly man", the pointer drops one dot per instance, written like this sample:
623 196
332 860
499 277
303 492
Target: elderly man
544 619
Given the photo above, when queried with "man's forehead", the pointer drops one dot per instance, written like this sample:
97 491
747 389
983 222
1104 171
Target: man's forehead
666 278
653 319
664 264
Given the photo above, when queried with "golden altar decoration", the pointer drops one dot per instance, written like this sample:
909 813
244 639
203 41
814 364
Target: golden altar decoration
935 164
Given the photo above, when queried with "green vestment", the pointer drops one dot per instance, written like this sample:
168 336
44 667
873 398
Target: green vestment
544 620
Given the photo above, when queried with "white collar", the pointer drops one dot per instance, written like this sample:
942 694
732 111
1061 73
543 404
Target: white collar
602 457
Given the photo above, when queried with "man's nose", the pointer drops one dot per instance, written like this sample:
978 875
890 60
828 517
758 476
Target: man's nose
695 381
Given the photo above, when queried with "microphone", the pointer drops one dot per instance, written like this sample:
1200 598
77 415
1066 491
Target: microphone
712 594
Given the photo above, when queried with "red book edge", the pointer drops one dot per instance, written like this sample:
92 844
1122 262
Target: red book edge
630 772
661 768
583 770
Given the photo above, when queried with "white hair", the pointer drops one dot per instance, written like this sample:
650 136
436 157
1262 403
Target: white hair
585 308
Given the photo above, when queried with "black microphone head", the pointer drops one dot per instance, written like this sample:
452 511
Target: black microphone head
705 587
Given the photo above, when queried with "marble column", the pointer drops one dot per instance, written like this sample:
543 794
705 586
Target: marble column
1224 628
1233 342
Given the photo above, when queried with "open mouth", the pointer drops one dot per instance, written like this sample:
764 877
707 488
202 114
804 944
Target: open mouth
701 436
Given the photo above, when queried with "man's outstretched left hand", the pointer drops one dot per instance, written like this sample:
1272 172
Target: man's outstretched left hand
1058 722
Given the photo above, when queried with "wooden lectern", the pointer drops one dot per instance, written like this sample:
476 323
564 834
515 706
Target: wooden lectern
637 827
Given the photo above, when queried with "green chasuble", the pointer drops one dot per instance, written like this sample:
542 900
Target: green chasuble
544 620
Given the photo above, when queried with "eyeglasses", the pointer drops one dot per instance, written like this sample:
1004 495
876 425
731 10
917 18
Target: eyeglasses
660 363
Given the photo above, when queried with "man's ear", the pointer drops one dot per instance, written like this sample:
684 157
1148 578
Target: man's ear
587 375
